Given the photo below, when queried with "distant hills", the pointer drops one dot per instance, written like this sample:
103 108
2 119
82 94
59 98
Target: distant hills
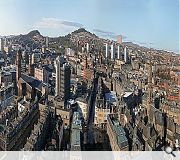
73 40
33 38
80 36
34 33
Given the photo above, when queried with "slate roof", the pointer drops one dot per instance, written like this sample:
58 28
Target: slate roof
33 82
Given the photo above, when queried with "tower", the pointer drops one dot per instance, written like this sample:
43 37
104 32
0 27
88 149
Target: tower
112 51
33 58
57 66
107 50
30 66
87 47
63 76
30 60
18 64
47 42
126 56
119 39
118 52
1 44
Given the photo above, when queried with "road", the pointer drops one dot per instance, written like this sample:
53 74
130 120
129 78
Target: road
91 113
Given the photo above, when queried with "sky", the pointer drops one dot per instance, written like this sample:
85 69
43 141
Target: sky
151 23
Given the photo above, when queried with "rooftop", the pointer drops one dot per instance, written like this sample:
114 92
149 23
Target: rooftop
119 132
76 132
75 140
111 97
127 94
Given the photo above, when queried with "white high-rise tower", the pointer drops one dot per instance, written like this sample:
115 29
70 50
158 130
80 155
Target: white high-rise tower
112 51
58 79
118 52
107 50
126 56
1 44
87 47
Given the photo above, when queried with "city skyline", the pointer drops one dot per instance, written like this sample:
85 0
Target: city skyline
90 90
145 23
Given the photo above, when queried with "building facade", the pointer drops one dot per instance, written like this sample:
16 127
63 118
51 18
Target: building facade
14 133
76 133
63 76
116 133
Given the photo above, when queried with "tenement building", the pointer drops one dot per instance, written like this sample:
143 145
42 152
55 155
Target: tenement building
14 133
76 133
49 126
116 133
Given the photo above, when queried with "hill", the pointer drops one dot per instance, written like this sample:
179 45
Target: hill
32 38
75 40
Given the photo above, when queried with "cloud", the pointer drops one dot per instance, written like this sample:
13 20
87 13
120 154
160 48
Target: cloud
107 34
54 23
103 32
142 43
145 44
